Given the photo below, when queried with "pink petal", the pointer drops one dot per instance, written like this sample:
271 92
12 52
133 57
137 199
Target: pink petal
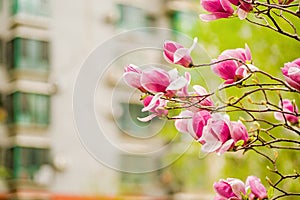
226 6
226 69
214 16
155 80
238 187
211 142
132 79
248 53
225 147
294 74
148 118
242 14
153 102
212 5
177 84
173 74
182 124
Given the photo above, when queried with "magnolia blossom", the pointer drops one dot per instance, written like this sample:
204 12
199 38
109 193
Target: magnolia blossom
155 105
230 188
235 189
132 77
239 132
233 70
217 8
291 73
158 80
258 191
216 135
243 7
287 106
192 123
175 53
220 134
154 80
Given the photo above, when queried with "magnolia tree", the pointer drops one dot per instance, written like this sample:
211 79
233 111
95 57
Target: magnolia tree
205 114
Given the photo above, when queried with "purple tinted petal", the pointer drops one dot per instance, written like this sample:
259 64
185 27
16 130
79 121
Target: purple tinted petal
132 79
199 121
148 118
212 5
238 187
214 16
226 6
224 189
211 143
292 83
294 74
225 147
226 69
257 189
177 84
248 53
155 80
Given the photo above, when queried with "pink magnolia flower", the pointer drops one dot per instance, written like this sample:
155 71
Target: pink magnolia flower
291 73
158 80
220 134
243 8
216 135
217 8
239 132
175 53
132 77
258 191
155 105
232 70
192 123
287 106
230 189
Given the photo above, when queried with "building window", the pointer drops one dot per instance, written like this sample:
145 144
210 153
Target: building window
28 54
132 17
25 162
31 7
28 108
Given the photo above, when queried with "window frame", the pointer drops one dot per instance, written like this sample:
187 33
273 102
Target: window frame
23 109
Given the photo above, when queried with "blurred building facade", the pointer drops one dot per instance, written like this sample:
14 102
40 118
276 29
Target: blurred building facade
42 46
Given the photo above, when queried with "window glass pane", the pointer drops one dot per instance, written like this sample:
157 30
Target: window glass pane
132 17
32 7
28 54
24 162
30 108
42 109
9 55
